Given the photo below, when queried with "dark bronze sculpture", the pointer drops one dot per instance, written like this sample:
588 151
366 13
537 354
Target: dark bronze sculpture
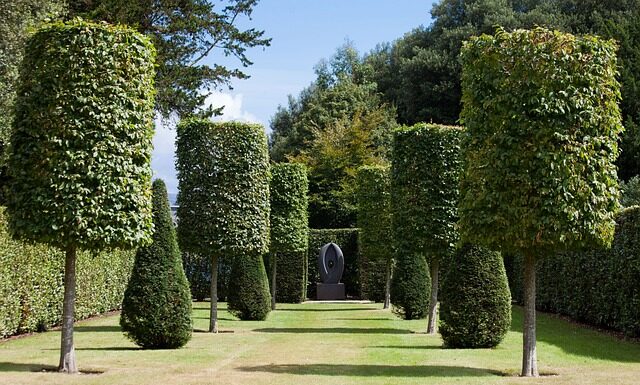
331 267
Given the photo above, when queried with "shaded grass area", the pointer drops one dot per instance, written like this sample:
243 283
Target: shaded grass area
321 344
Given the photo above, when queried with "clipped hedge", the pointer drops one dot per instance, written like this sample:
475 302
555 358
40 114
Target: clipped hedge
475 306
347 239
156 309
374 221
198 271
598 286
249 297
31 287
289 230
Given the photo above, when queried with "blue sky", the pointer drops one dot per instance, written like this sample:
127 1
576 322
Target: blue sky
303 32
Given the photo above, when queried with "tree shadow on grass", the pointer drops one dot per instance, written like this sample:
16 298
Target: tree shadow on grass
578 339
331 330
93 329
423 347
322 310
21 367
373 370
363 319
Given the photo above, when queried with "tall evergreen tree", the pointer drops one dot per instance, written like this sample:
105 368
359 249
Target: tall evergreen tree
156 309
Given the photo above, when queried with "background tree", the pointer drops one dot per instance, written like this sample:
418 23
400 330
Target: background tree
223 182
156 309
184 33
289 232
81 146
545 180
475 308
375 242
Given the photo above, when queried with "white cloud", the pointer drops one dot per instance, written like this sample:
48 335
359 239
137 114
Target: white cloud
232 107
163 157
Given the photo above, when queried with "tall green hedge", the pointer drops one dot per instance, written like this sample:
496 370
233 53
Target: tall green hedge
156 309
198 271
597 286
374 221
347 239
31 287
223 175
289 230
475 306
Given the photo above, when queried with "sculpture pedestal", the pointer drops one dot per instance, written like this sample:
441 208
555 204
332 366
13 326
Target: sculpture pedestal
330 291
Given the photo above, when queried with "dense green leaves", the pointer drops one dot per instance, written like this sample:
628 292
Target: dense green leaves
411 285
156 310
223 174
374 221
31 287
598 286
630 192
475 305
542 117
81 145
289 230
249 297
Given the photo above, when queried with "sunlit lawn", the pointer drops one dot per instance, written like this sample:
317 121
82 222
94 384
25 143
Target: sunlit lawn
321 344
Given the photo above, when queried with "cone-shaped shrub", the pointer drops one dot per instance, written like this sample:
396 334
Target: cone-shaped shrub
156 310
475 306
410 286
249 297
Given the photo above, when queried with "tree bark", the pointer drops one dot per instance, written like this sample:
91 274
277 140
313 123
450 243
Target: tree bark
213 314
387 287
67 352
274 267
529 356
433 305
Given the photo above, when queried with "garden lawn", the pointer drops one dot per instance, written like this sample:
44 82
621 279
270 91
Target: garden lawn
315 344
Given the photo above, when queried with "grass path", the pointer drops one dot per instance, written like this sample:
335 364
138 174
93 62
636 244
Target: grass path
322 344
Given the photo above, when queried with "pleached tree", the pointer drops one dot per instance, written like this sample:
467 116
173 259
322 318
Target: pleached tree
79 162
541 111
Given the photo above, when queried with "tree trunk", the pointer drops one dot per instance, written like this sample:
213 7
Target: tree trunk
67 351
387 287
274 267
433 305
213 315
529 356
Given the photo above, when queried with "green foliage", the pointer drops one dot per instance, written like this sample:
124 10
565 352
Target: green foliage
475 305
156 309
289 230
18 18
410 285
598 286
185 32
197 268
347 240
374 221
249 297
81 145
223 174
426 166
541 113
630 192
31 288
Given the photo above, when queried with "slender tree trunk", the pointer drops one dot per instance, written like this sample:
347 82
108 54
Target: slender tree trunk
274 266
387 286
67 351
529 356
433 305
213 315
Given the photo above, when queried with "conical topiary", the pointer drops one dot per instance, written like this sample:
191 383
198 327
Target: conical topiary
475 307
249 297
156 310
410 286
